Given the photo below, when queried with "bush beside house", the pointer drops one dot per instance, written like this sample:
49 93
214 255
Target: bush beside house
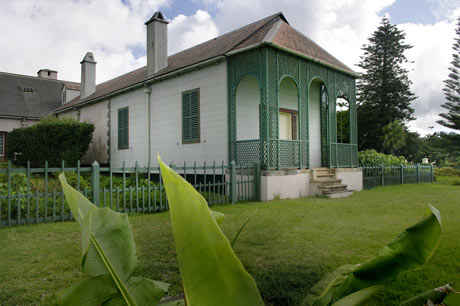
373 158
52 139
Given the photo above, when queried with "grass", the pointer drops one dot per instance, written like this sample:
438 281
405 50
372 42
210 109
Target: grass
287 246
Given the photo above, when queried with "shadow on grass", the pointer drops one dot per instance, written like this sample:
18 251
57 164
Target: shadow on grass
283 284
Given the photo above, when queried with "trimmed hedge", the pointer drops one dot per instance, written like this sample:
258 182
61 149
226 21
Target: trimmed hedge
373 158
52 139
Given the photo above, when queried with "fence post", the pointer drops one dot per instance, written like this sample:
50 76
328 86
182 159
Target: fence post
382 167
233 181
401 173
418 173
432 173
95 182
257 181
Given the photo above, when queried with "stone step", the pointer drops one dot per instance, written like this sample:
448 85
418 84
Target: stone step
332 187
338 193
326 182
324 176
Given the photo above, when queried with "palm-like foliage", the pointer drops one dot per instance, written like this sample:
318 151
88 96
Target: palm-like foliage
409 251
109 257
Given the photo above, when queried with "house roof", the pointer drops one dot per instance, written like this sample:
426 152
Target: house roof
274 30
28 96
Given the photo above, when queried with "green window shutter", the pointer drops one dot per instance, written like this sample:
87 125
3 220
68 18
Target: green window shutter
123 130
191 116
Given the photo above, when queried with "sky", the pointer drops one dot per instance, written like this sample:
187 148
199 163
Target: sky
56 34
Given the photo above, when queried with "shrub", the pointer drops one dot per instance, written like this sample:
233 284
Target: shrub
446 171
372 158
52 139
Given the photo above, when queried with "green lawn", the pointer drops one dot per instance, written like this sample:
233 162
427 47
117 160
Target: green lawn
287 246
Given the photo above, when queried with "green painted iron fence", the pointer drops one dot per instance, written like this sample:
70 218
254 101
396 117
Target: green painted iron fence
34 195
374 176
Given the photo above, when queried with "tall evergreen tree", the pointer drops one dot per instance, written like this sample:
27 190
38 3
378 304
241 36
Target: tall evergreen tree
451 119
384 87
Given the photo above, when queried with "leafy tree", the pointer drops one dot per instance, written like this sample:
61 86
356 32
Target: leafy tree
413 150
394 136
384 87
451 119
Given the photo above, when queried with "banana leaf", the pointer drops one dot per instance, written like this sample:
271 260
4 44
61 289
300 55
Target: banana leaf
109 255
358 298
211 273
436 296
408 252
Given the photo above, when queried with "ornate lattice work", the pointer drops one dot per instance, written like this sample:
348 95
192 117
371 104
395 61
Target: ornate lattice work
317 71
269 65
247 151
247 63
289 153
288 65
324 126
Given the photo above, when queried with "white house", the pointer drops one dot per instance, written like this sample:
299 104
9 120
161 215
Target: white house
262 93
25 99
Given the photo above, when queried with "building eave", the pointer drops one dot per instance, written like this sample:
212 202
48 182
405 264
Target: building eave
299 54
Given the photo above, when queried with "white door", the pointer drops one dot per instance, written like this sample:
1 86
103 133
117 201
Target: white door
314 125
285 126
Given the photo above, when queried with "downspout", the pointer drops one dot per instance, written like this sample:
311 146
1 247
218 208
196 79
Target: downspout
147 92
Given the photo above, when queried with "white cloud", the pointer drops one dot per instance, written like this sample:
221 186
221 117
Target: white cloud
56 35
432 53
187 31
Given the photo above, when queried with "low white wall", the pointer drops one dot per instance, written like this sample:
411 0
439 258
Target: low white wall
352 177
293 184
285 184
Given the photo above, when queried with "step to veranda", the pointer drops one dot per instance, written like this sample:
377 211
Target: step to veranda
338 193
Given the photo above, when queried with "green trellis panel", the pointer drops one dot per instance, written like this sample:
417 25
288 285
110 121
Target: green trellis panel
269 66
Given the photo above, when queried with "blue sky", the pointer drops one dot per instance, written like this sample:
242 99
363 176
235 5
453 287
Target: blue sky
46 35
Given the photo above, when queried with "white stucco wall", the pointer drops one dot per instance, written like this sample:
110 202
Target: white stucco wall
285 184
97 114
352 177
8 124
288 95
314 125
137 129
166 120
247 109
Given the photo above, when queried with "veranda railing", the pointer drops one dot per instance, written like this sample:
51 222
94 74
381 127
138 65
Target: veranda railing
33 195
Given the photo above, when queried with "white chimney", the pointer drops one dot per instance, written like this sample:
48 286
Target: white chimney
47 74
157 43
88 75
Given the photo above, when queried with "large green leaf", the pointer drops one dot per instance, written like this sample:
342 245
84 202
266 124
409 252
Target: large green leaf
359 297
109 254
211 273
409 251
436 296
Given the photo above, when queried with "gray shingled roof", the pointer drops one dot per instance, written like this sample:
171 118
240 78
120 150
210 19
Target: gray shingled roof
27 96
274 30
